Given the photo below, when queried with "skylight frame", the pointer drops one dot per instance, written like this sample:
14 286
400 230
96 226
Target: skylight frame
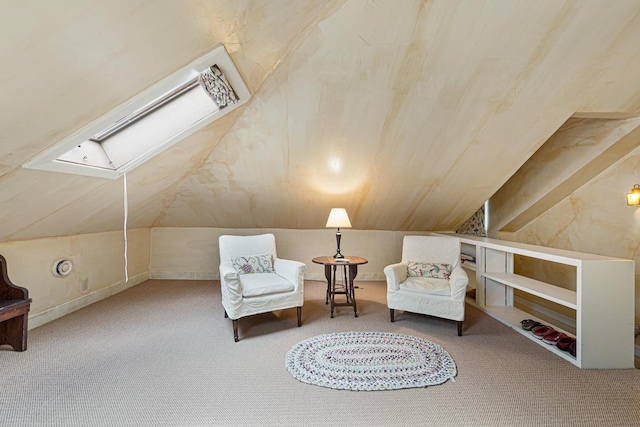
47 160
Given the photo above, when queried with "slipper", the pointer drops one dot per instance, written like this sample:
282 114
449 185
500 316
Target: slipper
535 328
565 342
552 337
527 324
542 331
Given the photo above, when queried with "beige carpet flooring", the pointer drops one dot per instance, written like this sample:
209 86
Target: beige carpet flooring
162 354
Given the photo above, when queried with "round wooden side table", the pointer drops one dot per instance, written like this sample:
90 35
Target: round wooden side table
349 268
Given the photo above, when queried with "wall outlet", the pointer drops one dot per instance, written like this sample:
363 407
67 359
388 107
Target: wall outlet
85 285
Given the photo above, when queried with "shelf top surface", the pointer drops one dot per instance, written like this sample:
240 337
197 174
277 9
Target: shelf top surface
543 252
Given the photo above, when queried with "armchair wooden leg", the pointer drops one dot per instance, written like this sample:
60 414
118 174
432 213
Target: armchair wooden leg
235 331
299 316
459 328
391 314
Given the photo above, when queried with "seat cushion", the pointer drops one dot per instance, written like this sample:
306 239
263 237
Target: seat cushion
426 285
260 284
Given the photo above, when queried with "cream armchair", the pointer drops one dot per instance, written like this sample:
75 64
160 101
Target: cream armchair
254 280
429 280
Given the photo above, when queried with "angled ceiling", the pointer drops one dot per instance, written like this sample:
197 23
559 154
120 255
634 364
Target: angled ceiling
410 114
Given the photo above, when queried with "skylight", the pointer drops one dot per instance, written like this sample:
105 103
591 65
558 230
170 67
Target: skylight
151 122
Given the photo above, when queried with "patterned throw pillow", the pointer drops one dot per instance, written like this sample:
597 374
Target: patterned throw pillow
429 269
253 264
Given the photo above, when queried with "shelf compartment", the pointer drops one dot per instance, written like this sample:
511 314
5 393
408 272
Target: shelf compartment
511 316
544 290
468 265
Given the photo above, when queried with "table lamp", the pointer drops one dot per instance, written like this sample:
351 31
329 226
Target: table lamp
338 218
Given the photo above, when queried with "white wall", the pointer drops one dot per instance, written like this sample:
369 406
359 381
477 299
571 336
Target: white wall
167 253
192 253
98 258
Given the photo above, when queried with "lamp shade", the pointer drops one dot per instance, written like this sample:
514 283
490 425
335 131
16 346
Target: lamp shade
633 197
338 218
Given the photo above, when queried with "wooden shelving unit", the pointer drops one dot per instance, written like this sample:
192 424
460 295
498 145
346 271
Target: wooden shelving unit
603 299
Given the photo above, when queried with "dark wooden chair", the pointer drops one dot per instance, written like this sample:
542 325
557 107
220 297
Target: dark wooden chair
14 311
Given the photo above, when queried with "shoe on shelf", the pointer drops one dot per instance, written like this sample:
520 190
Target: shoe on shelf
572 349
538 326
527 324
565 342
552 337
541 331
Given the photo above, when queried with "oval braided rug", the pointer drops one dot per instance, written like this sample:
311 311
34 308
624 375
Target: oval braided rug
369 361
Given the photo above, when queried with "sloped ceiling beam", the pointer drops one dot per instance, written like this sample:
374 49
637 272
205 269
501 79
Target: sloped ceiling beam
577 153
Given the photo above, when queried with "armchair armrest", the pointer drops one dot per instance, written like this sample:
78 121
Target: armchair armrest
291 270
459 281
396 273
230 284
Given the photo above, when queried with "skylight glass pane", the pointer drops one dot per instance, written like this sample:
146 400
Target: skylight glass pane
153 130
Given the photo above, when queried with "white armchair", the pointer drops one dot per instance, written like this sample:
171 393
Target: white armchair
429 279
254 280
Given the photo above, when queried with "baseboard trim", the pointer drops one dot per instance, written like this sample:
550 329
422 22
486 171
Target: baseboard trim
183 275
63 309
315 276
206 275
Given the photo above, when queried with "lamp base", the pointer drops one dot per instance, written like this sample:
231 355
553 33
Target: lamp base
338 236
